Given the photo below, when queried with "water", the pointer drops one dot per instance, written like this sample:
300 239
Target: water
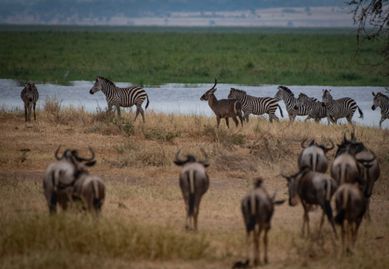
185 99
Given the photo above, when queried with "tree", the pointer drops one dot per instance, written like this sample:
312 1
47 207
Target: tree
372 18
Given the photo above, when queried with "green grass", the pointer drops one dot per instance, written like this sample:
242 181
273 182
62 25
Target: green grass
154 56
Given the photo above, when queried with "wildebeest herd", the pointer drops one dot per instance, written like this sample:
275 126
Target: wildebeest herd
348 187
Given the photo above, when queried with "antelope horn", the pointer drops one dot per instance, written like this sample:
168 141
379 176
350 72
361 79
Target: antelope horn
214 85
56 153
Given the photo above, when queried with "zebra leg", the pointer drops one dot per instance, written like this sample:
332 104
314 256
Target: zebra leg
34 111
118 110
109 109
246 117
25 112
348 118
381 121
139 109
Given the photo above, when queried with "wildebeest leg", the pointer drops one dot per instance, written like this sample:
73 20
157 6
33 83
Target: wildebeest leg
228 125
306 219
53 203
248 247
367 213
265 245
343 235
29 106
218 121
34 111
235 120
256 247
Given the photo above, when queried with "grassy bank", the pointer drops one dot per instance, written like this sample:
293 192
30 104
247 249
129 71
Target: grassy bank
152 56
142 224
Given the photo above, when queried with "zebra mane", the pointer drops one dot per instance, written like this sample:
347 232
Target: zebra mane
239 91
286 89
383 95
107 81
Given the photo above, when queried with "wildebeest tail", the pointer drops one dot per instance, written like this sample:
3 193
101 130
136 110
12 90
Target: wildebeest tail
191 180
248 209
339 218
97 199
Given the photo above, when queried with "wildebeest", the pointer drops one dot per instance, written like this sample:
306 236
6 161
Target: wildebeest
60 177
367 162
314 156
224 108
194 183
257 209
313 188
351 205
29 96
90 189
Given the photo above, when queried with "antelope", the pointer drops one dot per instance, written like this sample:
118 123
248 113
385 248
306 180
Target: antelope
224 108
314 156
257 210
313 188
351 205
60 177
194 183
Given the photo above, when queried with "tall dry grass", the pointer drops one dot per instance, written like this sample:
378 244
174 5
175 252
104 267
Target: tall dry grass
143 216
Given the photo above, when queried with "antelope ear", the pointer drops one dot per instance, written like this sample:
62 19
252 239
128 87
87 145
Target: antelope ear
373 93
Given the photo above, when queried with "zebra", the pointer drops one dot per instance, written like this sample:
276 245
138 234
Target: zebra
29 96
381 100
291 103
340 108
256 105
316 109
121 97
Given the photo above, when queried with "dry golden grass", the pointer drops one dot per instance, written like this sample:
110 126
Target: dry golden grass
144 201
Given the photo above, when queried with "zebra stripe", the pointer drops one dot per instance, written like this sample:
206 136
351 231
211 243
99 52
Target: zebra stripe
256 105
30 96
382 101
340 108
316 109
291 103
121 97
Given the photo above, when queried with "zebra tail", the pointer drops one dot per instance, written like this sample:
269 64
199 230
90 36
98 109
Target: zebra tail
147 104
360 112
282 114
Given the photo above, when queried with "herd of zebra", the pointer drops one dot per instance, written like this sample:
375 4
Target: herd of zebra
238 105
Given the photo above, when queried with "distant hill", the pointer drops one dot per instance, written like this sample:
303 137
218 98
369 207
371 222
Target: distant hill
68 11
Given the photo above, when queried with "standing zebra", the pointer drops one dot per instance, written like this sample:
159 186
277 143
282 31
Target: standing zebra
316 109
340 108
255 105
382 101
121 97
291 103
29 96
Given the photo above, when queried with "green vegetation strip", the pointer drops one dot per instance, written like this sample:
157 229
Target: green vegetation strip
150 57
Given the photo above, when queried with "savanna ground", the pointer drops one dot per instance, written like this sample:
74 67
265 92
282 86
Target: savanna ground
142 224
149 55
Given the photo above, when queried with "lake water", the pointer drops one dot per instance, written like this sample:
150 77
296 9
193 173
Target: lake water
185 99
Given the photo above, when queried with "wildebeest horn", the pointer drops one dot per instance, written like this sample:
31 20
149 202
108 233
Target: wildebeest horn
303 143
353 138
85 159
56 153
177 160
205 162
